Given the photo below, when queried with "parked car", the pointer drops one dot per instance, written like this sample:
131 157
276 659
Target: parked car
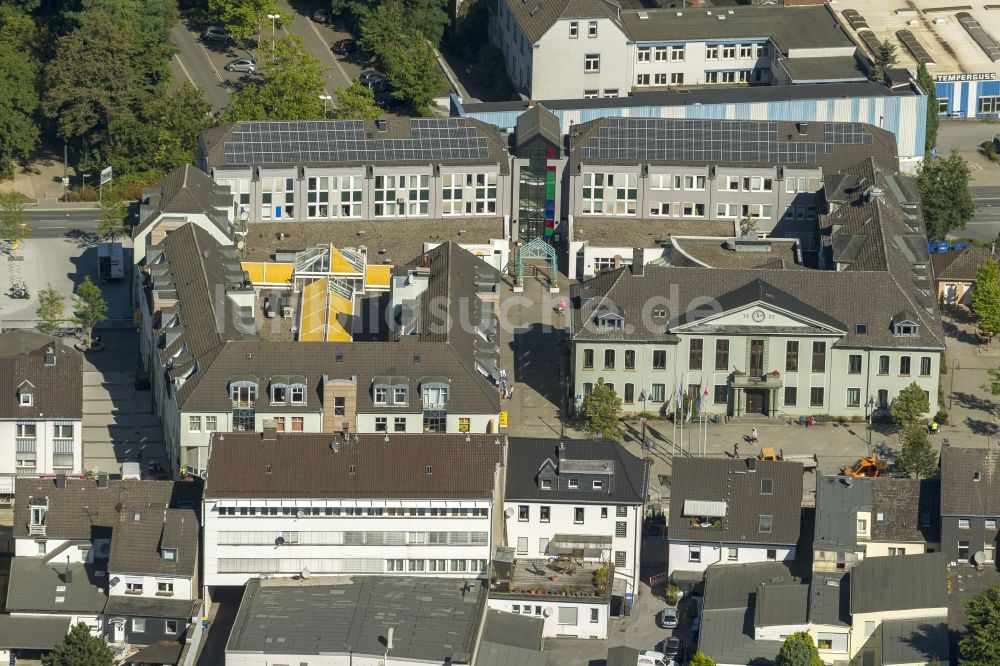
322 16
374 80
670 647
216 33
937 247
669 617
242 65
344 46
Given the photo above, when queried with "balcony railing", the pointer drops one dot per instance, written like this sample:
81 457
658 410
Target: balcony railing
36 530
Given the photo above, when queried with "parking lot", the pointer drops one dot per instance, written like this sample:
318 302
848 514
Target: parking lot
203 63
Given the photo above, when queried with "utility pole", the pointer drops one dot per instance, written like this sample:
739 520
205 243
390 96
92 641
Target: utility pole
65 179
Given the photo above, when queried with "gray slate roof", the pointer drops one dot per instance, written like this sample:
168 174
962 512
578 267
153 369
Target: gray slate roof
57 389
727 480
887 583
304 465
830 599
781 604
837 68
535 18
915 641
161 652
219 353
152 607
837 505
526 455
36 584
32 633
961 495
433 619
910 510
496 654
187 190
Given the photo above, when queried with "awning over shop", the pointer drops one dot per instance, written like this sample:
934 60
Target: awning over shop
561 542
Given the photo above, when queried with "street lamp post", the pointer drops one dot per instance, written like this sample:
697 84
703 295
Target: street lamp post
85 177
273 17
869 417
326 104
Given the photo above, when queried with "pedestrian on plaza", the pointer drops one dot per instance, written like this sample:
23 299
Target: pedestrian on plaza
562 305
736 450
753 437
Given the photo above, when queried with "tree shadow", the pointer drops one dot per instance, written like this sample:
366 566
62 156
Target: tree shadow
931 640
981 427
974 402
83 239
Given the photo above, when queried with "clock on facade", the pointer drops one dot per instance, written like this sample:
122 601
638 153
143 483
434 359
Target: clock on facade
758 315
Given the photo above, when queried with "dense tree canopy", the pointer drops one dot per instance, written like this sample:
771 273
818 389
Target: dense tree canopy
944 194
289 89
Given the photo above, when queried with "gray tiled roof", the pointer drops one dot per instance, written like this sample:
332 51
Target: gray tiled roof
57 389
729 481
887 583
536 17
37 584
915 641
305 465
32 633
910 509
837 504
187 190
959 265
161 652
218 349
526 455
961 494
137 546
830 292
74 512
434 619
781 604
496 654
842 68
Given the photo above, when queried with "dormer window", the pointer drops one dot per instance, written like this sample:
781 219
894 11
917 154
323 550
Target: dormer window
279 394
904 327
610 322
26 399
598 484
546 484
399 395
169 554
243 393
298 394
573 483
435 395
381 395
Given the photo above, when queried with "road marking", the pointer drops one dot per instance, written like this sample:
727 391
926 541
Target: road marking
184 69
330 53
209 59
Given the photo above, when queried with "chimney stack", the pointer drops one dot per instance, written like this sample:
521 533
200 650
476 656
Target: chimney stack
102 481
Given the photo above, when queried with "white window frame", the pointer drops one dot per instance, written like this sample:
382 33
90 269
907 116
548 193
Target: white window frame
591 63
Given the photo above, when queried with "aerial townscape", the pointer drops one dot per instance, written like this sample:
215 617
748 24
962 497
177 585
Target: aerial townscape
499 333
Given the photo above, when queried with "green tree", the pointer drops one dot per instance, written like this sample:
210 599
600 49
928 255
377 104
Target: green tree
79 648
13 220
429 18
601 409
917 458
701 659
111 226
985 302
356 101
89 306
383 31
980 646
943 185
910 405
51 308
885 58
246 19
19 72
289 90
926 82
91 80
415 76
798 650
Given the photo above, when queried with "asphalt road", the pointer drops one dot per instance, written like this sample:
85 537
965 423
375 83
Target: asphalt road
56 223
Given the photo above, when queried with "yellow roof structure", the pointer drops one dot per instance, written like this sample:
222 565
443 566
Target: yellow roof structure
324 302
264 273
378 278
345 265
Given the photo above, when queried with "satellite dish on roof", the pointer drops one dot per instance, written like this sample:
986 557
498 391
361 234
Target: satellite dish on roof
979 557
280 541
299 514
547 612
335 446
305 573
508 513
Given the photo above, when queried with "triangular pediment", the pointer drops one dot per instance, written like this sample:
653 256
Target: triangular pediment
757 306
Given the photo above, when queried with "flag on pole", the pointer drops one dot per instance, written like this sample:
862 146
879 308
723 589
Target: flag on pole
691 405
704 400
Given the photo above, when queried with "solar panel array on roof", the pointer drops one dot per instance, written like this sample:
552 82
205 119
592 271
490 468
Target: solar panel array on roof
979 35
665 139
871 41
855 19
915 48
299 142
